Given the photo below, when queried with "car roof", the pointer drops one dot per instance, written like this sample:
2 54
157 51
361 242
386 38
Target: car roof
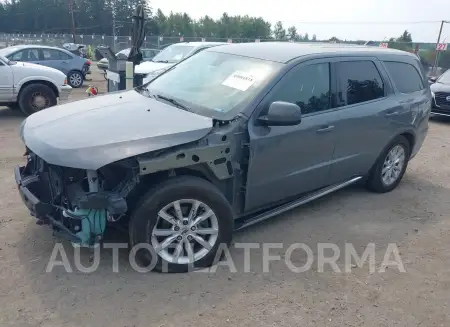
26 46
285 52
200 44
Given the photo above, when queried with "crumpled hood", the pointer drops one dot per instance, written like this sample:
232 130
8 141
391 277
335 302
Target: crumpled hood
150 66
92 133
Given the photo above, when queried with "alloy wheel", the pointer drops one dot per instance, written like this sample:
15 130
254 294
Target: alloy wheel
393 165
75 79
185 231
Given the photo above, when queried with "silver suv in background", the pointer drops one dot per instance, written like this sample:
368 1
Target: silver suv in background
170 56
232 136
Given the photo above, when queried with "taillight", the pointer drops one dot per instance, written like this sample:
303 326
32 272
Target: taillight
65 81
88 62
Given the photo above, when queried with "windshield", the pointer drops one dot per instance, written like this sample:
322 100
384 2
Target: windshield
7 51
444 78
214 83
173 53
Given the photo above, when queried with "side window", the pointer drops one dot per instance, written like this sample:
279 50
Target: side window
33 55
359 81
64 56
51 54
307 86
405 76
19 56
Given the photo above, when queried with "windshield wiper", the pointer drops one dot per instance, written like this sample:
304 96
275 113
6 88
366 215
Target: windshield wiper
174 102
163 61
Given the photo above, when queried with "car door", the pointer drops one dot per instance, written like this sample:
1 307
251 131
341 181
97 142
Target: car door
6 82
365 106
53 58
286 161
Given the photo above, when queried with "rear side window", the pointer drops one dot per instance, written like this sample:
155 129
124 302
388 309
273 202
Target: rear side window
359 81
405 76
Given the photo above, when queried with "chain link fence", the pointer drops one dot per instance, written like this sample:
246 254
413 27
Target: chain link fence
117 43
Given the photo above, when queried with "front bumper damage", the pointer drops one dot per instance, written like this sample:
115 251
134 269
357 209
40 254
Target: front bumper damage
81 220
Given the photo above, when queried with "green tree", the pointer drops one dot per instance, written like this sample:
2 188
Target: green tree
292 33
279 32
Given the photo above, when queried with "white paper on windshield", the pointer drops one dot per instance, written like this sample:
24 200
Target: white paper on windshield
239 80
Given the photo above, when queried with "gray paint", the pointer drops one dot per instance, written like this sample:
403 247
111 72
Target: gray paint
94 132
270 163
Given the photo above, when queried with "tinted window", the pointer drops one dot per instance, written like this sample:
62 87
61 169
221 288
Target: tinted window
308 87
405 76
359 82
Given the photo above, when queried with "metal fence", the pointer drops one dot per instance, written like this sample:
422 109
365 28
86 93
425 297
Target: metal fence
118 43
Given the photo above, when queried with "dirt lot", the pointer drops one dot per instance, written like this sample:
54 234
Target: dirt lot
415 217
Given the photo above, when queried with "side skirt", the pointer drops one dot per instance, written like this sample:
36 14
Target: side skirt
246 222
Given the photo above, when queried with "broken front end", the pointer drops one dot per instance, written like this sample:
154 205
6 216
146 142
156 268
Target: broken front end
76 203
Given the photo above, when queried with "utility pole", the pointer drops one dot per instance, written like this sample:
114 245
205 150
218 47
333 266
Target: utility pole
114 25
437 52
73 20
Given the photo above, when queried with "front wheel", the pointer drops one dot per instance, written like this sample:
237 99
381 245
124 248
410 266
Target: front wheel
184 221
36 97
390 166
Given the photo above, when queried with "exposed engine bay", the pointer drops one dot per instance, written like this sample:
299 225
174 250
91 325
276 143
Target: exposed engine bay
79 203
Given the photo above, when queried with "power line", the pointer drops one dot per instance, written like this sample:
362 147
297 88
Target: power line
370 23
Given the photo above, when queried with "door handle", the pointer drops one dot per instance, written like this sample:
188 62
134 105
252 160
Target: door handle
325 129
65 62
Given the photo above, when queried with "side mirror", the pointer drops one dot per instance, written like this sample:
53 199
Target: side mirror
432 80
282 114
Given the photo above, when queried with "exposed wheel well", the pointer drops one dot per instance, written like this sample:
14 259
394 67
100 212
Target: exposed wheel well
410 138
47 83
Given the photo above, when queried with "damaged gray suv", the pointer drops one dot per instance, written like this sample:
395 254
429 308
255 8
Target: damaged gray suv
227 138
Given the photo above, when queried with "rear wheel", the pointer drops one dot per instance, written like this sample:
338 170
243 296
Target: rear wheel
75 79
390 167
183 221
36 97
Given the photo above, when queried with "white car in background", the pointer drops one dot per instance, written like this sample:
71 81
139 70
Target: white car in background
31 87
170 56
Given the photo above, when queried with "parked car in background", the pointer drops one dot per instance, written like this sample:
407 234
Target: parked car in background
147 54
170 56
440 88
73 66
31 87
236 134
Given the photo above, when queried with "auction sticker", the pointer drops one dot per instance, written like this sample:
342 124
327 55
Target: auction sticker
239 80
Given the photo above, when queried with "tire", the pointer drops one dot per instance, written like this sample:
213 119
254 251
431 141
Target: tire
75 79
145 221
376 182
36 97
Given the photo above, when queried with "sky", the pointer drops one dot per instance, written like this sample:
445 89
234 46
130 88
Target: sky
345 19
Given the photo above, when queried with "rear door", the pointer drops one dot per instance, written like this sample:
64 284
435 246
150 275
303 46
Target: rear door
286 161
365 108
55 59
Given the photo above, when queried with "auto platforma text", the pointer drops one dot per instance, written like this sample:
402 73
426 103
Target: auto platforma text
326 255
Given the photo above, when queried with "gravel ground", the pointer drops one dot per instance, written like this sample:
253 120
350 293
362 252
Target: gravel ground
414 217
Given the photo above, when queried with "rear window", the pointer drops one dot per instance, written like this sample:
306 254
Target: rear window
359 81
405 76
